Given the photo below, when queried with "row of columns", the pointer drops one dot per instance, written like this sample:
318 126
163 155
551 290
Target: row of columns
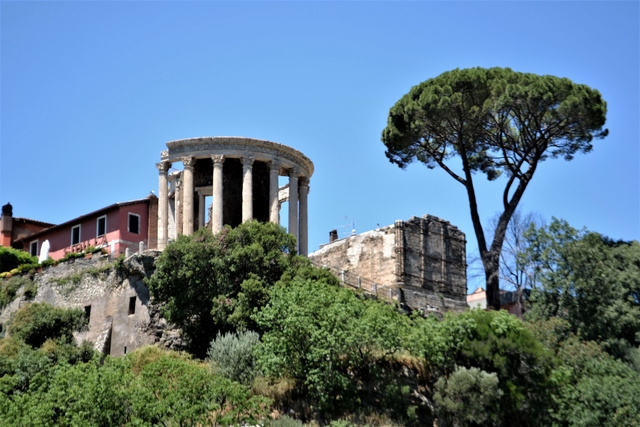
298 195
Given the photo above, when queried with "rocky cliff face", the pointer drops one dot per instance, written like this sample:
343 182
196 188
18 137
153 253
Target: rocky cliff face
114 297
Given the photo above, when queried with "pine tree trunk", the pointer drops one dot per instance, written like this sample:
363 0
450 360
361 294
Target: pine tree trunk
491 263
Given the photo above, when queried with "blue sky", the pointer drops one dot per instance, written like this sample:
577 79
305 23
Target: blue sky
91 92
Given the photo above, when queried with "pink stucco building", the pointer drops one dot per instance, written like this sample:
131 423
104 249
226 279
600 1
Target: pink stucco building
114 227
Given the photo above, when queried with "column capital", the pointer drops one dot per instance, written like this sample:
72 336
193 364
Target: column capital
274 164
188 162
303 181
163 167
294 172
247 161
217 159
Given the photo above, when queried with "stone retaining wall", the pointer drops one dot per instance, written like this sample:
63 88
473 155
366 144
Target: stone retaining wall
121 316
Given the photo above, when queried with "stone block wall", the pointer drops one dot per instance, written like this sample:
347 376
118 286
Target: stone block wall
421 262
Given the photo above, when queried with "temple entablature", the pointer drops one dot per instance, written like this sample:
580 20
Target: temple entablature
238 147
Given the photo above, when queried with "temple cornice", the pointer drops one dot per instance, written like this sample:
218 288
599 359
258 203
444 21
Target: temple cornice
238 147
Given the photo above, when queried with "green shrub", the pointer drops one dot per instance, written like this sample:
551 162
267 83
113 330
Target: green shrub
232 356
500 343
173 392
341 423
285 421
72 255
48 262
9 289
469 397
30 290
27 268
11 258
213 283
327 338
37 322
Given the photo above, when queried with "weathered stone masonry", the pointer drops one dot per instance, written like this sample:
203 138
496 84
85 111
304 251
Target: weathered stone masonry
421 262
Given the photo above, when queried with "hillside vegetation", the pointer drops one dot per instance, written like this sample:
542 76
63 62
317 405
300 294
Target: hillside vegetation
276 341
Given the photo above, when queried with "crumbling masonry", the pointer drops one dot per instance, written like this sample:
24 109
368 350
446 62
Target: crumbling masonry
420 262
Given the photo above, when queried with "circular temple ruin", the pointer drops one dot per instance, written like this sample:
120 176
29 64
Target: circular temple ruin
240 178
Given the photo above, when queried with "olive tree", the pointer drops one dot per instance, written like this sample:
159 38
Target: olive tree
495 121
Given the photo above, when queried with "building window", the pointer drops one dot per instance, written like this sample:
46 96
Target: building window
33 248
101 226
75 235
134 223
87 312
132 306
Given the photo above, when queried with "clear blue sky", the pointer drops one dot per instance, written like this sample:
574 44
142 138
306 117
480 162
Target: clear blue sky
91 92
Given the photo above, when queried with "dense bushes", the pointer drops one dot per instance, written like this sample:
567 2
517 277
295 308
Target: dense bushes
11 258
500 343
469 397
167 390
212 284
38 322
327 338
57 383
173 391
590 281
9 289
591 387
319 351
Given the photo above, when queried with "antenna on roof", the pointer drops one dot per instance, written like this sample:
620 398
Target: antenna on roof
349 225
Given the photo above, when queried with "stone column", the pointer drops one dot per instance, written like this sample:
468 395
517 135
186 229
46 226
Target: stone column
304 224
187 226
178 204
163 204
274 203
201 210
216 211
293 204
247 188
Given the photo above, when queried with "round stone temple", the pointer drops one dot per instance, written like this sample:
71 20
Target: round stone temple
240 178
